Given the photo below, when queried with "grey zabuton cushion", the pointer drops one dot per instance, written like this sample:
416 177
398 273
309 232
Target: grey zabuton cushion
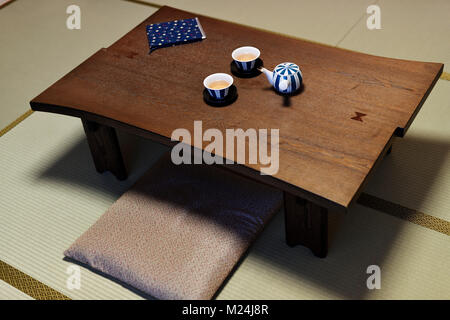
179 231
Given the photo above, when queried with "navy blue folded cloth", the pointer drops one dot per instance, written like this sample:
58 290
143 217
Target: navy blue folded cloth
171 33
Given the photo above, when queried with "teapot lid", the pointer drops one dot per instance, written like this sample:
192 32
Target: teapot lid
287 68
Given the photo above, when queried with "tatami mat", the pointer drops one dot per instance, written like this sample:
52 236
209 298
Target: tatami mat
411 29
413 260
37 48
417 172
8 292
325 21
50 194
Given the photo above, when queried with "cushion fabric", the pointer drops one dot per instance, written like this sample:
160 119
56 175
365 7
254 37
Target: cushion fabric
179 231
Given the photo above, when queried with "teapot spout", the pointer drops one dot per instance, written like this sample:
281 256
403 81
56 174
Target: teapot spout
269 74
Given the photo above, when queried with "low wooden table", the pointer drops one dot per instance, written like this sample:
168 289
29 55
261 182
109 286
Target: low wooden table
332 134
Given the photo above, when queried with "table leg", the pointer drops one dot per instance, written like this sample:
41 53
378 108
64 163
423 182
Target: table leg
388 152
105 148
306 224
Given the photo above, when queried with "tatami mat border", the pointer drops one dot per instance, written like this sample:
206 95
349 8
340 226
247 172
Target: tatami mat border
16 122
445 76
28 284
414 216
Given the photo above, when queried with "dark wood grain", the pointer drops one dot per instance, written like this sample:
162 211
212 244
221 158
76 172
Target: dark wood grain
104 148
306 224
325 154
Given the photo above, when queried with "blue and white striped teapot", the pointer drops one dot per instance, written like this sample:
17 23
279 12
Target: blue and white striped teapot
285 78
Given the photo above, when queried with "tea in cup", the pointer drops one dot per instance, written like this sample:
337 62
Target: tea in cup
218 85
245 58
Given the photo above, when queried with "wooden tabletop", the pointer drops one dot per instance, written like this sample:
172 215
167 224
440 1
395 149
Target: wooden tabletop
326 151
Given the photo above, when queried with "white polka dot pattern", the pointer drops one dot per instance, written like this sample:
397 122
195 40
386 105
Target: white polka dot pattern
174 32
